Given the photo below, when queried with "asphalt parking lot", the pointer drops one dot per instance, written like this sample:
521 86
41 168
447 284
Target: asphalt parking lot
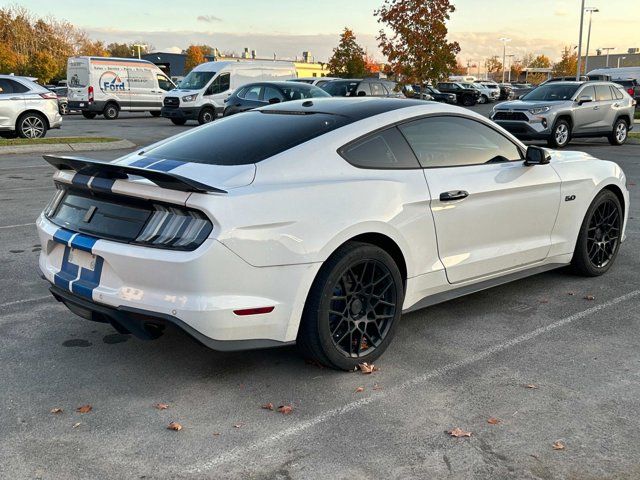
457 364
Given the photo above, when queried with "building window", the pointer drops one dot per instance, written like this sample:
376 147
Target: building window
315 74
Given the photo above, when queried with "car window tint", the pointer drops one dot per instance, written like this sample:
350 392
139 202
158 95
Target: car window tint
364 89
603 93
377 90
164 83
588 91
385 149
250 93
271 94
247 138
617 94
456 141
18 87
5 86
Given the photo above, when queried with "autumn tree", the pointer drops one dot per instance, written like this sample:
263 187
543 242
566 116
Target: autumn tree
121 50
195 56
459 69
516 69
416 45
348 58
370 65
541 61
568 65
493 65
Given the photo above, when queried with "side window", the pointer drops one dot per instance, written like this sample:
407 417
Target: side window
617 94
457 141
251 93
271 94
364 89
5 86
220 84
377 90
603 93
18 87
164 83
386 149
588 92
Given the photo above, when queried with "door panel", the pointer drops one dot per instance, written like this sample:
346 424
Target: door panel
11 104
586 116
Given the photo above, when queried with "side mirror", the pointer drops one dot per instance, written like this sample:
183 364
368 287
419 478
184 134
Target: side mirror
536 156
362 93
274 100
585 99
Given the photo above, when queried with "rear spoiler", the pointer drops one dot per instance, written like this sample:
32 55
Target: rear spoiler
96 168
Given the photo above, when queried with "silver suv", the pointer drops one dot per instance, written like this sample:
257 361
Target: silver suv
27 108
560 111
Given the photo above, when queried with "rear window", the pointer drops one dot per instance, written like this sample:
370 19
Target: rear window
247 138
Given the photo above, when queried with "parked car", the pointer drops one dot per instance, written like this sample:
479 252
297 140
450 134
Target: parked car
632 86
358 87
63 101
410 92
108 85
486 94
506 91
437 95
560 111
26 108
464 96
491 85
254 95
317 81
320 223
520 89
202 93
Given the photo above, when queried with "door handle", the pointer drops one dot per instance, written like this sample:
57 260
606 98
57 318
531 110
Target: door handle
596 108
453 195
616 105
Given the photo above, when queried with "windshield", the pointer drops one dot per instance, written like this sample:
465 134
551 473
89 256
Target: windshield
77 74
340 88
296 92
196 80
248 138
552 92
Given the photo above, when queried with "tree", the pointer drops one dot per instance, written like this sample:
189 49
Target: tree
541 61
417 48
568 65
459 69
494 65
93 48
195 56
121 50
348 58
371 65
516 69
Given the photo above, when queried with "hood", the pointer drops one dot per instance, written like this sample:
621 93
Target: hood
225 177
565 156
524 105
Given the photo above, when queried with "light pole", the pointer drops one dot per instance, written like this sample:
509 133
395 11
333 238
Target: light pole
504 41
510 61
621 58
591 11
139 46
608 49
580 42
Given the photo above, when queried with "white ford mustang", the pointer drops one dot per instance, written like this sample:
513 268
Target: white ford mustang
319 222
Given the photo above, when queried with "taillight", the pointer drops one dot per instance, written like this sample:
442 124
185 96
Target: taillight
171 227
90 92
631 92
49 96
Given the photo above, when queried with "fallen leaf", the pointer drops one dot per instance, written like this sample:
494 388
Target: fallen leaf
238 425
531 386
285 409
161 406
268 406
589 297
56 410
558 445
359 390
367 368
458 432
84 409
493 421
76 425
175 426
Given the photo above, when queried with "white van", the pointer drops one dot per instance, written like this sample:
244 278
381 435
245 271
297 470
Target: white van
107 85
622 73
204 90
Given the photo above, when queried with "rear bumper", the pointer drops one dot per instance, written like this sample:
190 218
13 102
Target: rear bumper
197 291
93 107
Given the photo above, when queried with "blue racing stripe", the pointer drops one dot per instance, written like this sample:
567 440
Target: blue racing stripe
83 242
167 165
88 280
143 162
68 271
102 184
63 236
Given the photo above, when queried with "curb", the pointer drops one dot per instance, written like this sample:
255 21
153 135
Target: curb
67 147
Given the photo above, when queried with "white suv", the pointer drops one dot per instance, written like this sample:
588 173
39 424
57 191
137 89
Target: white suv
27 108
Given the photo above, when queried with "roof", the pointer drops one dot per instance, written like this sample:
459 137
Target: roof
354 108
283 84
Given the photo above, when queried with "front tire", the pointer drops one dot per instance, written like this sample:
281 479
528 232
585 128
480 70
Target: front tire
468 101
207 115
620 133
155 113
178 121
353 307
32 125
599 238
63 109
483 99
560 134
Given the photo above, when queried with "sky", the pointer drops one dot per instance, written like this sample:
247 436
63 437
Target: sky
287 27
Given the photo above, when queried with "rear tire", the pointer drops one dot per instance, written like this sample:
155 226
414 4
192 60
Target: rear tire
468 101
599 238
483 99
155 113
111 111
619 133
353 307
178 121
560 134
89 115
63 108
32 125
207 115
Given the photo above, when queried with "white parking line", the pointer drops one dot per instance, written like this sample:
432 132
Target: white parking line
18 225
242 451
27 300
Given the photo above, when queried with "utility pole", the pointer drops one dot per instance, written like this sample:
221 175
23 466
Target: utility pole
621 58
591 11
580 42
608 49
139 46
510 62
504 41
